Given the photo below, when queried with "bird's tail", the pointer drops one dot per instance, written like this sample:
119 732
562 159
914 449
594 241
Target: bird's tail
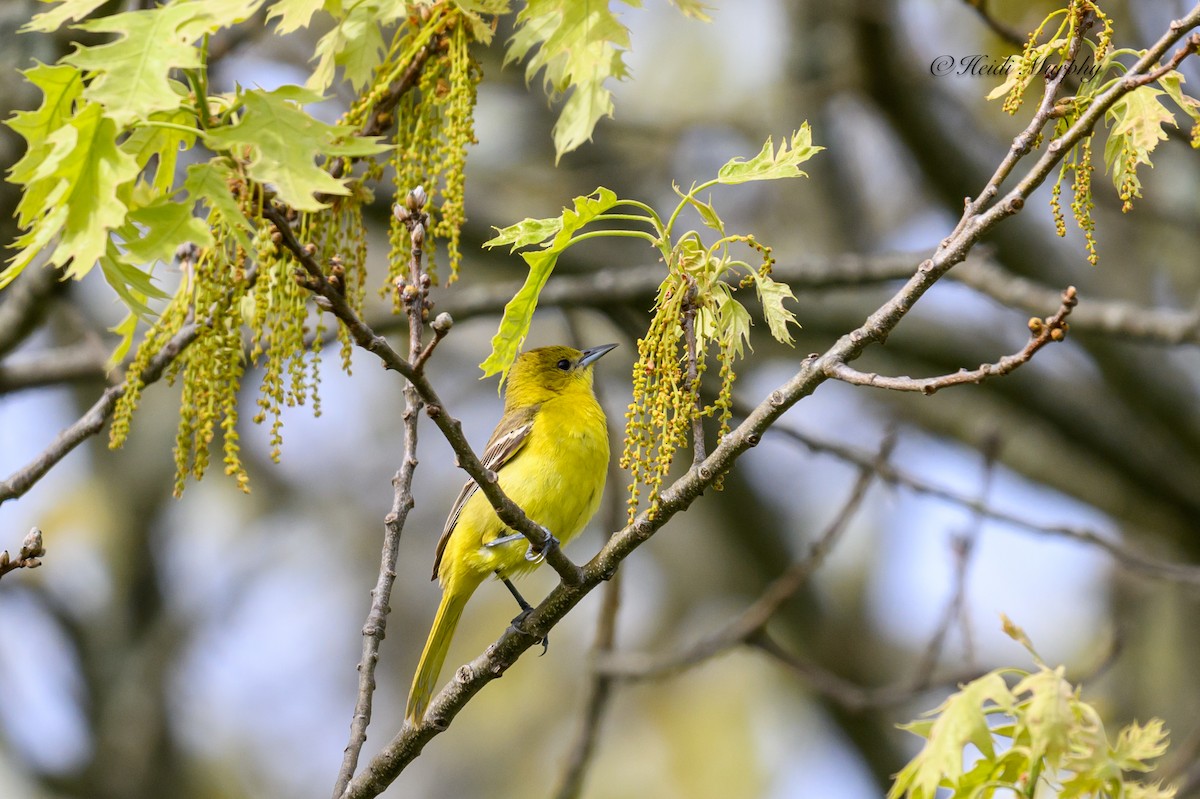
425 680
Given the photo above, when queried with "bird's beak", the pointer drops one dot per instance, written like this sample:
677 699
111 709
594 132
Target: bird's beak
593 354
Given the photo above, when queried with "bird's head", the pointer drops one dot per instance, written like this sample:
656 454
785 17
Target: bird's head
547 372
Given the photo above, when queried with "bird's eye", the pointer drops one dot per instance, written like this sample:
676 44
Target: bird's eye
565 365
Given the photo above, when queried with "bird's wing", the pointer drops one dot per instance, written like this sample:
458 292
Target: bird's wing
507 439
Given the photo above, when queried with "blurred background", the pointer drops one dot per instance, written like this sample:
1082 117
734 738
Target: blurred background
206 647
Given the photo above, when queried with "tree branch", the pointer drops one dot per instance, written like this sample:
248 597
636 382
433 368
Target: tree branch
963 547
753 620
374 630
25 304
77 363
1124 557
1044 331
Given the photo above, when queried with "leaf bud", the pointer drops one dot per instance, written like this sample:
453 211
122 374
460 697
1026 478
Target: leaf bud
416 199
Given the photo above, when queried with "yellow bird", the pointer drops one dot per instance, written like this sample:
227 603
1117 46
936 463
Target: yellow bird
550 453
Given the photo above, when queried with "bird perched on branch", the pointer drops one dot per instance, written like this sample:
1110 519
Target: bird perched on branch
550 455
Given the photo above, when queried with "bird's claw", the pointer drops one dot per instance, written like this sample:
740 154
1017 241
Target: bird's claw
539 555
519 620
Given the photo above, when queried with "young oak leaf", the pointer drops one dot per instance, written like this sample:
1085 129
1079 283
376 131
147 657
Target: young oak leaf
1048 719
156 231
1137 744
555 235
283 142
130 76
293 14
1137 120
580 46
86 173
55 18
210 182
961 720
355 44
61 87
132 284
1172 83
772 165
772 295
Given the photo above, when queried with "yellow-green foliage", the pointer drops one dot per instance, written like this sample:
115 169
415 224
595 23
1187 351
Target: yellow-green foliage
1035 738
1134 122
437 124
100 183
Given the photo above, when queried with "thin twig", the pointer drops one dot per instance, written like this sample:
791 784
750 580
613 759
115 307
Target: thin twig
28 557
81 362
1044 331
1124 557
1190 47
693 368
963 546
849 695
374 630
753 619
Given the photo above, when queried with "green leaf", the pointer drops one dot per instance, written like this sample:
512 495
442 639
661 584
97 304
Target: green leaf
694 9
732 320
209 182
580 46
78 186
293 14
772 165
355 43
131 75
1048 719
1137 119
155 232
476 11
525 233
55 18
165 143
708 214
772 295
961 720
132 285
518 313
1137 744
61 87
283 143
125 329
1172 82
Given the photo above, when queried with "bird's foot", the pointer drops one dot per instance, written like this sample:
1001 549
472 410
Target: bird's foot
504 539
519 620
539 555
